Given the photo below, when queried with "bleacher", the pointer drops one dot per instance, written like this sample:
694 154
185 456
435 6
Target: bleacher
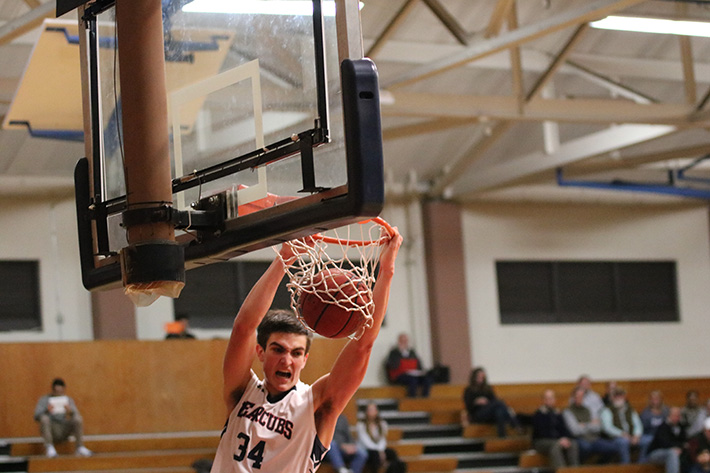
142 411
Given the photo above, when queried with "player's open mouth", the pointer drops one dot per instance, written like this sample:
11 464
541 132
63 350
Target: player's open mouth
283 374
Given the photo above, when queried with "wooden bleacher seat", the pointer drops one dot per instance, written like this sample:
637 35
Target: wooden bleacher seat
613 468
126 443
167 453
154 460
532 459
518 443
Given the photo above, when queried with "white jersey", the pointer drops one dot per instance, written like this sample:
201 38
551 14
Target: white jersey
261 436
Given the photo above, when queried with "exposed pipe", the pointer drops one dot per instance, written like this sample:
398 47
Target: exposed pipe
667 189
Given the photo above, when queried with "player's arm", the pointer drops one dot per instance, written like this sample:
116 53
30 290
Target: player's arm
241 348
333 391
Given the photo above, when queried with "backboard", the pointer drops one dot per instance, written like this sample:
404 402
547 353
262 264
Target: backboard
274 131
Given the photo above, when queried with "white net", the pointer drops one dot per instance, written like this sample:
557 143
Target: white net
354 250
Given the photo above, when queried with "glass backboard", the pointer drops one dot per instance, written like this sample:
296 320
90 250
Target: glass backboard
273 133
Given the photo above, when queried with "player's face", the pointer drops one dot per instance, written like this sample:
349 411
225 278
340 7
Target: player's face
283 359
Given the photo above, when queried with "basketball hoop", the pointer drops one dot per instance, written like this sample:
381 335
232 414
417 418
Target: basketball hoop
356 252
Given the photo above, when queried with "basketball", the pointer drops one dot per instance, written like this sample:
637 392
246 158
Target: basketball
320 311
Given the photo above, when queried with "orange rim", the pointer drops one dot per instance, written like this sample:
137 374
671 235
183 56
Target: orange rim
339 241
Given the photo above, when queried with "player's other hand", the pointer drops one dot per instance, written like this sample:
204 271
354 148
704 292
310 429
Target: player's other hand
390 250
289 252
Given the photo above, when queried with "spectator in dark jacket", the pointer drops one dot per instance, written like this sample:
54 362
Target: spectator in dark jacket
404 367
551 436
702 463
699 443
483 406
668 442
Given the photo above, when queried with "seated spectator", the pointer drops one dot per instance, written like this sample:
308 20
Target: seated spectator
483 406
668 442
344 450
698 424
702 463
692 409
59 418
592 400
652 416
610 387
550 435
586 429
622 424
404 367
698 443
372 436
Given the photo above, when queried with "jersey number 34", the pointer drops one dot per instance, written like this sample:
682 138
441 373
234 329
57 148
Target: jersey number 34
256 454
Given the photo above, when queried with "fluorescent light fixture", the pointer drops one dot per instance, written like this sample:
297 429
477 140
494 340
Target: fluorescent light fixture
260 7
653 25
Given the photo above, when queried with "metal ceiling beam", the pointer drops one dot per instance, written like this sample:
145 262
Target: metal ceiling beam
500 13
448 20
591 11
630 162
686 57
428 126
703 101
414 52
391 27
594 144
516 65
418 53
557 62
25 23
460 165
36 186
500 129
615 87
563 110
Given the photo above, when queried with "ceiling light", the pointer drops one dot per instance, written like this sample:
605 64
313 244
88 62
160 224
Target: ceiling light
653 25
260 7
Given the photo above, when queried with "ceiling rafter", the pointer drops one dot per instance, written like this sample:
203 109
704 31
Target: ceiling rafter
428 126
594 110
25 23
557 62
516 65
592 167
686 57
417 53
518 37
500 13
615 87
594 144
448 20
391 27
703 101
461 165
501 128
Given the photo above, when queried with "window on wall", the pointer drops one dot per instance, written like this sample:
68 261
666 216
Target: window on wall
214 293
535 292
19 296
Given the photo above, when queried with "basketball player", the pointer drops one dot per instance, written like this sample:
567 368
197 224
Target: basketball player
280 424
